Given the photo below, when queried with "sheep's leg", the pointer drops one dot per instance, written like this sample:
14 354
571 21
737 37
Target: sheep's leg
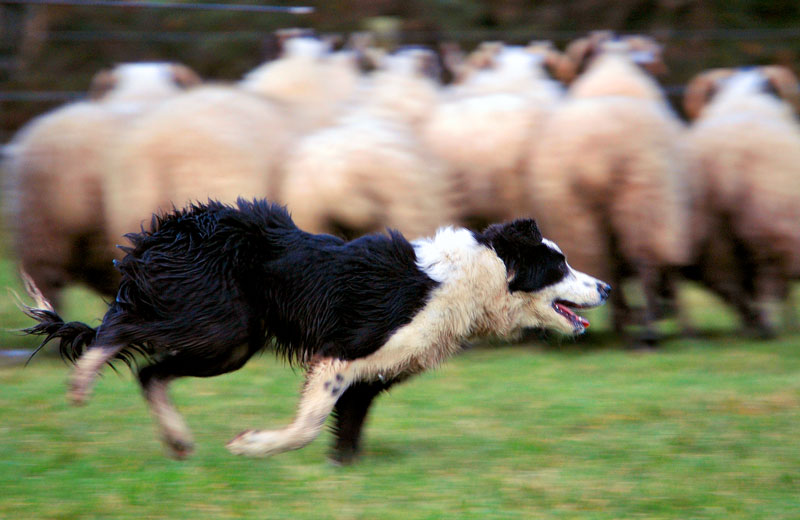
671 300
649 280
620 312
174 431
767 291
325 382
350 413
86 370
789 308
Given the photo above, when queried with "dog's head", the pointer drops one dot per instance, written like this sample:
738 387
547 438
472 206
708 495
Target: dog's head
544 289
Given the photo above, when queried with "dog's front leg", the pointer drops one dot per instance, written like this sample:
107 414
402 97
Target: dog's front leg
325 382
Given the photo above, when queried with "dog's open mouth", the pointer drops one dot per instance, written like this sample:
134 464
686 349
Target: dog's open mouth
564 308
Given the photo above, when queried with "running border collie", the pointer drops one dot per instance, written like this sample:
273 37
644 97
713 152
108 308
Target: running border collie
207 287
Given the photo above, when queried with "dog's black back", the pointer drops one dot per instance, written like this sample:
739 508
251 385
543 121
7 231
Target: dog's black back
206 280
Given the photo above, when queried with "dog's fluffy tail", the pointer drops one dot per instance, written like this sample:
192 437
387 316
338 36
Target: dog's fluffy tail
75 336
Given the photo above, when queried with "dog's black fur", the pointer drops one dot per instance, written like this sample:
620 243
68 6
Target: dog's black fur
205 280
206 288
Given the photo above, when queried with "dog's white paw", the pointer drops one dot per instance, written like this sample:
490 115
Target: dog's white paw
258 443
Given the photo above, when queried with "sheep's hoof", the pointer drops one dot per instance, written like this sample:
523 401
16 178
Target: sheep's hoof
761 332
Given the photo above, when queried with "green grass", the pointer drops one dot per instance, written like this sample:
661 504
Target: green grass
704 428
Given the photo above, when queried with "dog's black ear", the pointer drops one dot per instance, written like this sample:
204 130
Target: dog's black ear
510 240
516 234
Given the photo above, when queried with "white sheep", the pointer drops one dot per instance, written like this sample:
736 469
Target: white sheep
370 171
55 166
225 141
745 149
314 82
607 180
486 126
213 142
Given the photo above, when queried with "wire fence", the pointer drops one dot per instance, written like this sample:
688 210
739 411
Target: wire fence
247 8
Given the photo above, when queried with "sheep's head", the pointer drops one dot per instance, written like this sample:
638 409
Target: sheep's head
136 81
641 50
506 63
772 79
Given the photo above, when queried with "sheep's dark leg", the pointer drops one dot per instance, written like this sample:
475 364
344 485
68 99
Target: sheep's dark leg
649 279
351 412
620 312
789 307
767 291
174 431
673 303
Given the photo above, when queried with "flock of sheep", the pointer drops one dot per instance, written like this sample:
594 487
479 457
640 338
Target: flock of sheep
582 140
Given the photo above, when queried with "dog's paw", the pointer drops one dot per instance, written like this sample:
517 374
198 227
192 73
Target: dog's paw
257 443
179 449
77 394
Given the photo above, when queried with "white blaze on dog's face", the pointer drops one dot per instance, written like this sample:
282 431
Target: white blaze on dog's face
545 290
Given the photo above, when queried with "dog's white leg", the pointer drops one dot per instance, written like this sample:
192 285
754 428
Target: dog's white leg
86 369
325 382
174 431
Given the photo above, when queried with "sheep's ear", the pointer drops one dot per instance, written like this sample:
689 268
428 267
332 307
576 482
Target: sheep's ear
583 50
334 41
555 62
376 58
427 64
276 44
784 82
647 53
452 60
485 56
701 90
102 83
184 76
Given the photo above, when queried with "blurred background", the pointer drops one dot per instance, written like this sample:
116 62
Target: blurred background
657 142
50 52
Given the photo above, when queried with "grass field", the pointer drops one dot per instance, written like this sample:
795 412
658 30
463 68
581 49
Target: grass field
704 428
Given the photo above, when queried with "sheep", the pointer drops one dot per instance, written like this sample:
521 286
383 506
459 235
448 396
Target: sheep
370 170
216 141
745 150
314 82
225 141
55 164
608 178
486 124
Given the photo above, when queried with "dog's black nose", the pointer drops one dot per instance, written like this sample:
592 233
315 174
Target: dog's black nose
604 289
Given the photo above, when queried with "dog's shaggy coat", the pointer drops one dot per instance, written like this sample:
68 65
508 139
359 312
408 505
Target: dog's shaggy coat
207 287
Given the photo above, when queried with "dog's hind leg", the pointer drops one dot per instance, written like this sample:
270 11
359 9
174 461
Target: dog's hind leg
325 382
174 431
86 370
